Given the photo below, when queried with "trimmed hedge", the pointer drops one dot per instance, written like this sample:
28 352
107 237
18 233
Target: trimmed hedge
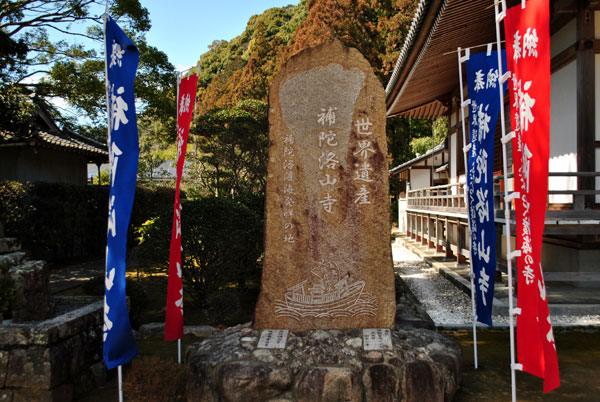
58 222
222 247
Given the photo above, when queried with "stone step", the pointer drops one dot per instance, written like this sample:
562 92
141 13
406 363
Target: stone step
12 259
9 245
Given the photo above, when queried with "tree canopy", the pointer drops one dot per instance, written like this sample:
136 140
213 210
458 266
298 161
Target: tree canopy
34 37
243 67
230 134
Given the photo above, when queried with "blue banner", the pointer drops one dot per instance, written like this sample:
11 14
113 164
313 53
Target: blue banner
121 64
482 81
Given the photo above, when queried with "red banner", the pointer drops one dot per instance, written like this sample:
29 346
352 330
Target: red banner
174 311
528 57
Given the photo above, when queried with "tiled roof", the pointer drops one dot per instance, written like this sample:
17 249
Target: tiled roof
66 140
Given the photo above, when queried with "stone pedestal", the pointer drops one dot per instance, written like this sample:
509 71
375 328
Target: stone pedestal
323 365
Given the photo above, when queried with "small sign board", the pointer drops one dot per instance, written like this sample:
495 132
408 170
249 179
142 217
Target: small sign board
273 338
377 339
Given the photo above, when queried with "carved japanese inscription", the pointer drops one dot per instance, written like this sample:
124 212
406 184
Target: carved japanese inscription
327 244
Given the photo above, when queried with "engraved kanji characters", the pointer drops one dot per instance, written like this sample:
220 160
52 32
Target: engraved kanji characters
328 160
364 151
288 188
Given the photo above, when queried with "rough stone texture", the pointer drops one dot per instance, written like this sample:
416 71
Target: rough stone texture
99 372
422 382
3 367
150 330
382 383
199 331
328 258
328 384
32 295
80 318
250 381
450 366
323 366
55 359
9 244
58 394
12 258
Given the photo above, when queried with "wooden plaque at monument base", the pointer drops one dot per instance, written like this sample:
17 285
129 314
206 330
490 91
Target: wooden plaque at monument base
328 261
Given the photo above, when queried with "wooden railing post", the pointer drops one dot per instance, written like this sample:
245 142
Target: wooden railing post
460 244
438 234
430 230
423 227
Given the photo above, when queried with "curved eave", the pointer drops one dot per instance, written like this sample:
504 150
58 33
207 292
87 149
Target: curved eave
428 72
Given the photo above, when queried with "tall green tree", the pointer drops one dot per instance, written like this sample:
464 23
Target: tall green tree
233 149
72 67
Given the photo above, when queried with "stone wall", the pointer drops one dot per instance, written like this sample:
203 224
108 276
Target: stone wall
55 359
47 359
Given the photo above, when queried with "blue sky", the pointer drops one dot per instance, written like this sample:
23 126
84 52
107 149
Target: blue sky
183 29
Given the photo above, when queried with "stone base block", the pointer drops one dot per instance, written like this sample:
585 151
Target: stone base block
32 295
323 365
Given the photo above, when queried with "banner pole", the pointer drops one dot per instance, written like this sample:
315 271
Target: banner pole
105 18
466 148
178 79
507 201
120 371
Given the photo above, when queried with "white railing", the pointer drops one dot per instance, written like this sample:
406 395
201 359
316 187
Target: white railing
446 198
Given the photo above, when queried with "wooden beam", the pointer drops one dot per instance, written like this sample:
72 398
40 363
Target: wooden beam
563 58
586 107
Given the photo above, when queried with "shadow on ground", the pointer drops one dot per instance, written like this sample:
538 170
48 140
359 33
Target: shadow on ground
578 357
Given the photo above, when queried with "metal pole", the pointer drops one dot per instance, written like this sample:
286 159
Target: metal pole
179 350
120 370
507 200
466 148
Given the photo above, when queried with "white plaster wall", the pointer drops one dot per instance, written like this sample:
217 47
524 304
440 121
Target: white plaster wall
419 178
563 131
565 37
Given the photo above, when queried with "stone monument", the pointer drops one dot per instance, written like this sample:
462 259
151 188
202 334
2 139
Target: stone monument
328 262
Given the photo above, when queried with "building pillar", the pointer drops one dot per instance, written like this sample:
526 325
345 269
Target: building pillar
586 104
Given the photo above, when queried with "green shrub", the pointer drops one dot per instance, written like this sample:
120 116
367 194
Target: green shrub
58 222
222 243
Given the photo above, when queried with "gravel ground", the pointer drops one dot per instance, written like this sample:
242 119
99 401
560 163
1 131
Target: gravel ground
446 304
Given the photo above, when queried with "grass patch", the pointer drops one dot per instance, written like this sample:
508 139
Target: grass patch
578 356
